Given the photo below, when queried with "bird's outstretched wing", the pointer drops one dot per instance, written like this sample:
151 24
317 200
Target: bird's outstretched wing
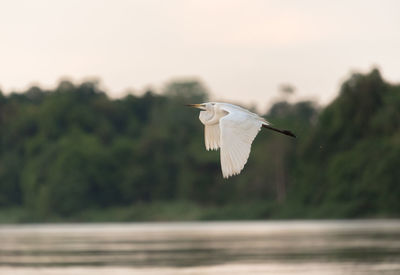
238 130
211 137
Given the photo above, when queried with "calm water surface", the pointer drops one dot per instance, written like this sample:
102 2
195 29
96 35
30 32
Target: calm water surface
290 247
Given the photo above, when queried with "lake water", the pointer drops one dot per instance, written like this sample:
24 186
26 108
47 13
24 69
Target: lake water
287 247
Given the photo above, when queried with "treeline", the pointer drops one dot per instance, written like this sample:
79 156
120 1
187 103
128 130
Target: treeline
349 164
72 153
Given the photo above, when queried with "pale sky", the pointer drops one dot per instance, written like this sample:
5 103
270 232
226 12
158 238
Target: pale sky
242 50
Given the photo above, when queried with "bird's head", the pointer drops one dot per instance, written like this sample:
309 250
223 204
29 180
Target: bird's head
210 112
203 106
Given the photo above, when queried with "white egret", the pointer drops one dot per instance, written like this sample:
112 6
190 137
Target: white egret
232 129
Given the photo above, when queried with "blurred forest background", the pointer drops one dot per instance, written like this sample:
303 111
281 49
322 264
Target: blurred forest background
74 154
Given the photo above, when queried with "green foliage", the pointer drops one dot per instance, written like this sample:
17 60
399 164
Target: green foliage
349 162
73 154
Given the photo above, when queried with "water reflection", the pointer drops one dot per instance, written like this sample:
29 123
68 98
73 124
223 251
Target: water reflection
372 246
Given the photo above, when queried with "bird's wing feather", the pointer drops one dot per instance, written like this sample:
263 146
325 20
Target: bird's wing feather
238 130
211 137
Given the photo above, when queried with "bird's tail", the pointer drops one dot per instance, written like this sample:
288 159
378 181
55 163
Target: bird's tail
285 132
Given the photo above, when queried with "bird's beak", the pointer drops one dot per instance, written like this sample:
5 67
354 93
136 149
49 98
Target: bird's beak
198 106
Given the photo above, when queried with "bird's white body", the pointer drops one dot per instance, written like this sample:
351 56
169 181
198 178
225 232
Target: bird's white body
232 129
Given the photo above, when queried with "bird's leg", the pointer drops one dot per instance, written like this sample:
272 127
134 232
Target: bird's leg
285 132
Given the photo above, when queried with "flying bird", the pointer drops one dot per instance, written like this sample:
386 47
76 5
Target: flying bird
232 129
